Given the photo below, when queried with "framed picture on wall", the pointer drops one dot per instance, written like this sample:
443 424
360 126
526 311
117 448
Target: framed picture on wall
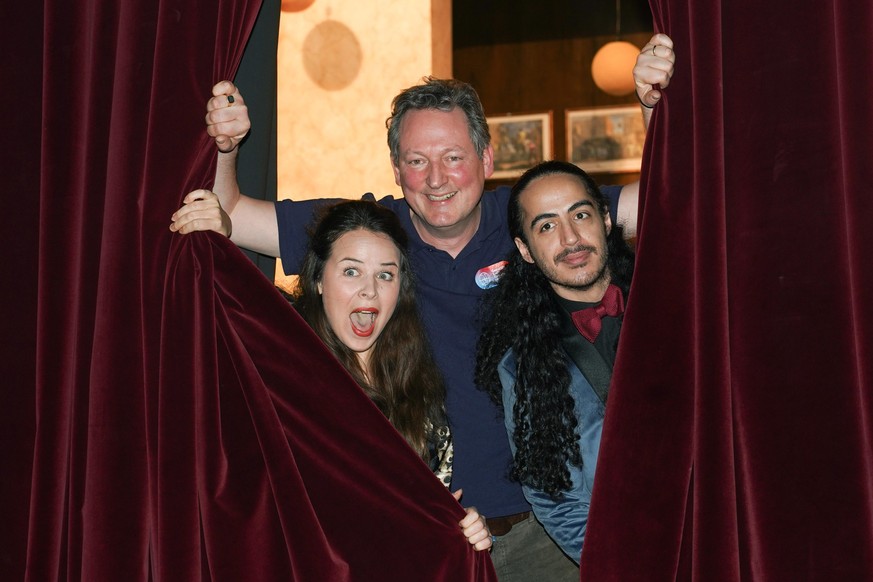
606 139
519 142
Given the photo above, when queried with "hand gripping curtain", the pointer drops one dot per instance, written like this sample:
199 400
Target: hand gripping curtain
738 442
165 414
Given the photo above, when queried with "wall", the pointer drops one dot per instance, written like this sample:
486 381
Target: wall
541 75
340 63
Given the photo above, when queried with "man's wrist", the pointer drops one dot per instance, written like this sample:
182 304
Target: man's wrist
643 103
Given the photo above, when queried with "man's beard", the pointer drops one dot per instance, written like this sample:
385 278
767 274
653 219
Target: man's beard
602 273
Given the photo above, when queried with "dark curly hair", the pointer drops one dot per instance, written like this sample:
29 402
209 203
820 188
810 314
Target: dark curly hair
521 314
404 380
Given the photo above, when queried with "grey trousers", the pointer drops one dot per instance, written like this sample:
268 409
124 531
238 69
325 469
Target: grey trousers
528 554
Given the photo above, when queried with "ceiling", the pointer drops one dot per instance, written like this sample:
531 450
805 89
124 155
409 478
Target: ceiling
487 22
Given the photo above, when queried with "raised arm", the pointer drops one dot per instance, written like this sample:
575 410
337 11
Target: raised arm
249 222
654 67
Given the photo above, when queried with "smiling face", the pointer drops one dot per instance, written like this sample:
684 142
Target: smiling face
566 236
440 173
359 288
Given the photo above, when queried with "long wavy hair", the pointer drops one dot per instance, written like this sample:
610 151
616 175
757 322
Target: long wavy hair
403 379
521 313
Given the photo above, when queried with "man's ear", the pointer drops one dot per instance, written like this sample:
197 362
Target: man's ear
607 223
488 161
396 169
522 248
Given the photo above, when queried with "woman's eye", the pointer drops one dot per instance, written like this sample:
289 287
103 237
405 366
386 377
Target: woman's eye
350 272
386 276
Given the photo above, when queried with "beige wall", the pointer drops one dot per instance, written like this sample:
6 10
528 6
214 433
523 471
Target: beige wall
340 64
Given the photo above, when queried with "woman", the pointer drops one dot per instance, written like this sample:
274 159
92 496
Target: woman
356 291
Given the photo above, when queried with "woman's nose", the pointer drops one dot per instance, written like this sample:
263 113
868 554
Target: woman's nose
368 289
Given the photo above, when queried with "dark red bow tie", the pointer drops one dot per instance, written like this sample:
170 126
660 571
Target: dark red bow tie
588 321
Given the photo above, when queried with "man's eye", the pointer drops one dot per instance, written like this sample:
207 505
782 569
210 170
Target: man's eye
582 215
547 226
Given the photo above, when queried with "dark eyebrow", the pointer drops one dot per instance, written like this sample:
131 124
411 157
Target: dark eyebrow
545 215
540 217
353 260
580 203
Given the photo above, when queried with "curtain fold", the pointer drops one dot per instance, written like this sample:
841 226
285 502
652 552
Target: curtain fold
160 416
296 459
744 365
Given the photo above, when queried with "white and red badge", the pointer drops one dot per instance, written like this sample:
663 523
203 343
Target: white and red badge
486 277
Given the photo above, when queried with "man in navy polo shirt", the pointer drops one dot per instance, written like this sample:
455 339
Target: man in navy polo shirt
441 156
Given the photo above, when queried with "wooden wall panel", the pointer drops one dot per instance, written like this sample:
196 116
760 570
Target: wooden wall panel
541 75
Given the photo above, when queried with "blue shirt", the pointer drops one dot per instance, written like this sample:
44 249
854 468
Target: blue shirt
448 299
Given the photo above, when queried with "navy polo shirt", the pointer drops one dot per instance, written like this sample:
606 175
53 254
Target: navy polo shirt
449 290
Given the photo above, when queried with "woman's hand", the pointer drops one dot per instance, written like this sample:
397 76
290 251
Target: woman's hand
474 527
201 210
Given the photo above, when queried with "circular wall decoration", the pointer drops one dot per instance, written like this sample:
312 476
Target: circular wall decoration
296 5
332 55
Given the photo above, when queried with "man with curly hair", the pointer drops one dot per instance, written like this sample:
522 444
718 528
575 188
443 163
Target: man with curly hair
549 342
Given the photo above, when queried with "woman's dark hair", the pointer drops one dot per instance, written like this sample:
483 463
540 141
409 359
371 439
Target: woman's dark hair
404 380
520 313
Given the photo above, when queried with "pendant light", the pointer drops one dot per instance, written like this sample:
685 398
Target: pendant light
613 65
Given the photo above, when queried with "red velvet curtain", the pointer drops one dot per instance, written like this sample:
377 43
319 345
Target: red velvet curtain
165 414
739 436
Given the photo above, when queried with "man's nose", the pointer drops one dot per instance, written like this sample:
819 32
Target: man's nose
569 236
435 177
